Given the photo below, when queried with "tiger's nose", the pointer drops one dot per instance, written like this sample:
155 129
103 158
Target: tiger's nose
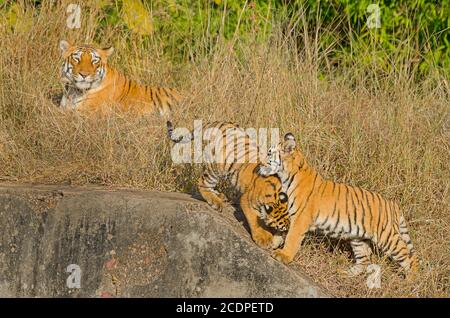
83 74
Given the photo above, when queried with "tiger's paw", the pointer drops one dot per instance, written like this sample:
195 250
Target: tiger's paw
219 206
281 256
263 239
408 276
277 241
412 273
353 271
411 276
223 198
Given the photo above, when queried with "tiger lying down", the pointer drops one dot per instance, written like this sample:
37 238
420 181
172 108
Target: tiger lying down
91 83
261 201
339 210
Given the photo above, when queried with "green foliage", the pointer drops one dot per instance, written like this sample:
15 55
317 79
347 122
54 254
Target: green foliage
415 30
410 31
418 27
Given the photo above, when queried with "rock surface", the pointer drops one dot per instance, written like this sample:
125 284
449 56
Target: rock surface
126 243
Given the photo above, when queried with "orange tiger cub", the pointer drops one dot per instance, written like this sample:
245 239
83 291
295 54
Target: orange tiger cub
262 201
338 210
91 83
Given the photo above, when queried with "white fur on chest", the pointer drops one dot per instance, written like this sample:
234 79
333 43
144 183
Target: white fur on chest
72 98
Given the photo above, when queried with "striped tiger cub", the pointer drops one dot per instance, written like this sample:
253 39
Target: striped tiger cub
90 83
339 210
262 200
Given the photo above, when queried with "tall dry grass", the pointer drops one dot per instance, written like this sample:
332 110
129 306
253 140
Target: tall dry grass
380 130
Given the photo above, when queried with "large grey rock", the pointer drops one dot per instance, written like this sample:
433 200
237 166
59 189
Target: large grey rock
131 244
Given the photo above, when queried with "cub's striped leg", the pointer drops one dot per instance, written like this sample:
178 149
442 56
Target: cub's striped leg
397 249
413 266
206 185
261 236
362 254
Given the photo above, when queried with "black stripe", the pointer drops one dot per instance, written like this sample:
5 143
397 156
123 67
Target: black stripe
324 222
324 184
166 92
338 219
346 207
291 179
317 216
389 240
363 214
380 211
348 210
385 214
125 91
293 204
152 93
369 208
401 258
160 103
355 219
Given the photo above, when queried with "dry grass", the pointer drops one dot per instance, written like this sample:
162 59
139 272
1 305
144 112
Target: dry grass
381 131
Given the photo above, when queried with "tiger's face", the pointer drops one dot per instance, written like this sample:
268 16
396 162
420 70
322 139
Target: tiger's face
84 66
282 159
275 214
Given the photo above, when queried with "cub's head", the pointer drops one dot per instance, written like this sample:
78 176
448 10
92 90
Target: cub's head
282 159
84 66
275 214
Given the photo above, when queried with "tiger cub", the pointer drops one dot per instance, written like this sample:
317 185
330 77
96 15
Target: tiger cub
90 83
340 210
262 200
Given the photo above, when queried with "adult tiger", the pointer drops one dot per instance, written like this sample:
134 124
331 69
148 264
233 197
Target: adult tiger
340 210
90 83
234 157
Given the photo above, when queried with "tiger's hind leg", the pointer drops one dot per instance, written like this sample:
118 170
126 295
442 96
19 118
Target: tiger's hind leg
413 266
362 253
207 188
398 250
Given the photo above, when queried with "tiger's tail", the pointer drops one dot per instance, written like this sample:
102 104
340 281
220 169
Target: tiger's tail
180 139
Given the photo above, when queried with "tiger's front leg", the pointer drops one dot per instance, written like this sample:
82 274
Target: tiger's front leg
206 187
294 238
261 236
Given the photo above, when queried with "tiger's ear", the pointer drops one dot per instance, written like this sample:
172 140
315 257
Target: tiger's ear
64 46
108 51
289 143
283 197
